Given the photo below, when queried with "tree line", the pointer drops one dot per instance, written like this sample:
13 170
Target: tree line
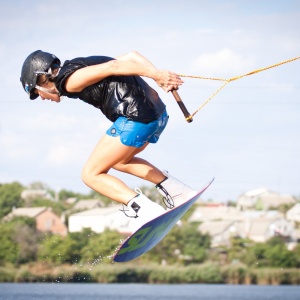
21 243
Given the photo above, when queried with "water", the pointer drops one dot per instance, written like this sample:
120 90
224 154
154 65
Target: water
66 291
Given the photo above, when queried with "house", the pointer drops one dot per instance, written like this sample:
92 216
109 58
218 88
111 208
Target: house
229 213
262 229
81 205
294 213
295 240
210 212
256 229
46 220
87 204
263 199
98 219
220 231
297 235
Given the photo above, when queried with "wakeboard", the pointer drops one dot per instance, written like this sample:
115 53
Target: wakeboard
152 232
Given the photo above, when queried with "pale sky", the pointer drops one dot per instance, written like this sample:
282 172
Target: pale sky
247 136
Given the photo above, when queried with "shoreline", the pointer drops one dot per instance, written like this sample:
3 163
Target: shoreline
208 273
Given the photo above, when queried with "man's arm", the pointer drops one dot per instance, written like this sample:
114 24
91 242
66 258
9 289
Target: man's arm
132 63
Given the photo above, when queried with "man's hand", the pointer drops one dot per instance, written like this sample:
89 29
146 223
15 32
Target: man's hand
167 80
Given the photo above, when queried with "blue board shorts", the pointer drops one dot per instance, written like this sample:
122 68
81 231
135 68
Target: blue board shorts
137 134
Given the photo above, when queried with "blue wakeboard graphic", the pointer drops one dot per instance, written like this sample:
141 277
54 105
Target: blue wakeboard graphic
151 233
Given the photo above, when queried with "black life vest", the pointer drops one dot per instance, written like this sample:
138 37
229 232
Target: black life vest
115 96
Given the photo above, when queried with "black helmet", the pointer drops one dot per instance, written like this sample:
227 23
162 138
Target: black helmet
36 63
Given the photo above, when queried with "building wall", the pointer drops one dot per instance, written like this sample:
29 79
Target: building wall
95 223
47 221
99 219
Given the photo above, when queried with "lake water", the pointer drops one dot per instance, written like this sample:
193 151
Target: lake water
66 291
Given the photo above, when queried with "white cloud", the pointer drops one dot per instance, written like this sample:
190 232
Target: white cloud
224 61
64 154
14 147
46 121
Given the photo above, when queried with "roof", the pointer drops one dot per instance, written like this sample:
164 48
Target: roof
274 200
87 204
100 211
265 197
98 219
256 192
259 226
215 227
202 213
31 212
294 211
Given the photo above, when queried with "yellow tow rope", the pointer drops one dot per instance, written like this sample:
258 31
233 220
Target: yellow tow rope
226 81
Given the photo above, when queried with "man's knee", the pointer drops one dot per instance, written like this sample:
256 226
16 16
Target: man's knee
86 175
89 175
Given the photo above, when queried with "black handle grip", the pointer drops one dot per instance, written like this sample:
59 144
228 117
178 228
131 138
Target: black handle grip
187 115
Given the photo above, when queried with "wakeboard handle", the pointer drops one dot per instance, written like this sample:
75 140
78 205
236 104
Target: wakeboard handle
187 115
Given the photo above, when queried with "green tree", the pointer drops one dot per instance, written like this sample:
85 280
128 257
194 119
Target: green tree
85 246
297 254
101 247
278 255
26 238
273 253
183 243
58 249
82 238
18 241
256 255
195 244
10 197
95 195
65 194
238 249
8 247
38 185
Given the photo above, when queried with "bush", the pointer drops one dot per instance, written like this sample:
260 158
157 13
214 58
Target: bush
234 274
205 273
6 276
166 275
